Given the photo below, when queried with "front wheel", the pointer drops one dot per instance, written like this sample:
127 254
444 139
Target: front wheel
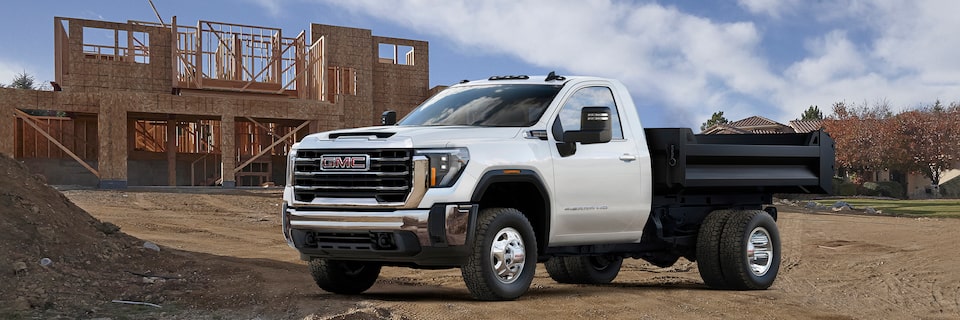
344 277
504 257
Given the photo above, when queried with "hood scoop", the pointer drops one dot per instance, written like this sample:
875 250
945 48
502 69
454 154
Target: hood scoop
379 135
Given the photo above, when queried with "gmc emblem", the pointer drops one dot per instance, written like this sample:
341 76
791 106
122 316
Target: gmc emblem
345 162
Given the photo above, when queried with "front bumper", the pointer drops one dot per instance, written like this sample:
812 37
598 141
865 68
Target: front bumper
423 237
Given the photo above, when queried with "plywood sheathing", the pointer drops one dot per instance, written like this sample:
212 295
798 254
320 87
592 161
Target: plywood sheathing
351 48
228 127
119 91
400 87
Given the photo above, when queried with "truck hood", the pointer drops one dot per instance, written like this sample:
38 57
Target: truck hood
409 137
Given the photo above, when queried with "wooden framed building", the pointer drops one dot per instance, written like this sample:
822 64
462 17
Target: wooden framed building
211 103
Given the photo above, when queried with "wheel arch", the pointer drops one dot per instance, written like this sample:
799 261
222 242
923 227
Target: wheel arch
512 188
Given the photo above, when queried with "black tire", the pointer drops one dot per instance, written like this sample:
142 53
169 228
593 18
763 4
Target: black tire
557 269
344 277
509 228
593 269
750 250
708 249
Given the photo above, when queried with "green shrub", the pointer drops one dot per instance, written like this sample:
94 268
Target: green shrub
870 189
891 189
847 189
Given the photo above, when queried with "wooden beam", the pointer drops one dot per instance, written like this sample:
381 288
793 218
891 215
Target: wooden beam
147 136
301 73
158 13
267 149
275 59
232 51
172 151
267 129
28 119
174 51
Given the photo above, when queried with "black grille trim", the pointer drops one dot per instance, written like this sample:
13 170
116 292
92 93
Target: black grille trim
390 178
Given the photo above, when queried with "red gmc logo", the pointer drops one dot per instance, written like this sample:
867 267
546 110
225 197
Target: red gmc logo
344 162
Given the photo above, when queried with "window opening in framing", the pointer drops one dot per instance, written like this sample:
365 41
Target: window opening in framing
396 54
116 45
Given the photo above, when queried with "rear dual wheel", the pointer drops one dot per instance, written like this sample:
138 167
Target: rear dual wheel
584 269
738 250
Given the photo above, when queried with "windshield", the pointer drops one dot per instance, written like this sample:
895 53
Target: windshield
508 105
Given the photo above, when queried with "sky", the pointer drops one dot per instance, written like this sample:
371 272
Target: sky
682 60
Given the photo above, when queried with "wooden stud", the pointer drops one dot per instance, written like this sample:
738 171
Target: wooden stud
171 151
28 119
267 149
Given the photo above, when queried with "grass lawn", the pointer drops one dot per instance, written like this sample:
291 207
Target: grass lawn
943 208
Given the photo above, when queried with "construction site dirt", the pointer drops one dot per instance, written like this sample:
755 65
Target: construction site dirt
222 256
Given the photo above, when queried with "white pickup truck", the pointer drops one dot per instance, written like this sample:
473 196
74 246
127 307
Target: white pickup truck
494 176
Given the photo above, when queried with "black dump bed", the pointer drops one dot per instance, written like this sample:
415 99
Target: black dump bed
768 163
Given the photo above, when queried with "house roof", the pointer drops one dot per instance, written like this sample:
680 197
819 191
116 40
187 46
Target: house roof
754 124
754 121
803 126
724 129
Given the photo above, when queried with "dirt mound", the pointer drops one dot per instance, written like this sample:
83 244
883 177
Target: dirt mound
57 259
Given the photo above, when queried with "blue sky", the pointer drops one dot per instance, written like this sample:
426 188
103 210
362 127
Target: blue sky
682 60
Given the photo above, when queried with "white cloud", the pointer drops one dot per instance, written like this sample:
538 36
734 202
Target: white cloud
835 57
273 7
8 71
908 57
901 52
773 8
665 56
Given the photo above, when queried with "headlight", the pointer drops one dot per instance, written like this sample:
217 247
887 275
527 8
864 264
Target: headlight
291 165
446 165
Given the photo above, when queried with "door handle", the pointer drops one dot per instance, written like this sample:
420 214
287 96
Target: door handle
628 157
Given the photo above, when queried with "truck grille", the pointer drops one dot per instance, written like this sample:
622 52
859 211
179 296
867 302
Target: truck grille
388 177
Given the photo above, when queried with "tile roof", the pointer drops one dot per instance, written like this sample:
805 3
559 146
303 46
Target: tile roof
754 125
754 121
803 126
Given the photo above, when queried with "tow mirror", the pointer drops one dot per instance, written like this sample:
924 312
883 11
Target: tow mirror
595 127
388 118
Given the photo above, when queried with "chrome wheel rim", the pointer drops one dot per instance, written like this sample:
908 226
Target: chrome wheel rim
759 251
507 255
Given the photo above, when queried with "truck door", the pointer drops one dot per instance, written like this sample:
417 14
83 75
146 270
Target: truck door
596 195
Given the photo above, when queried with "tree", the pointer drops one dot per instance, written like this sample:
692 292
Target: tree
23 81
715 119
812 113
866 137
930 138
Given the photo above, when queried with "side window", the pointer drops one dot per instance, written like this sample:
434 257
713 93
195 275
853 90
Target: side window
590 97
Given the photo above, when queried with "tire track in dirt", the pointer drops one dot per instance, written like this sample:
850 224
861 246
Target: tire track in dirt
834 267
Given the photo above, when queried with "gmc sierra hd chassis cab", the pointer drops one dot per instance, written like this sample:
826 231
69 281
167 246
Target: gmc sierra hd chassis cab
495 176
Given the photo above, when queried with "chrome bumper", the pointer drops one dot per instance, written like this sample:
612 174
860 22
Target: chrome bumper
456 222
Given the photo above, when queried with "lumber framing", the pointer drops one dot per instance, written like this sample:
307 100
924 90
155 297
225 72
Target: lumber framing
30 120
269 148
225 90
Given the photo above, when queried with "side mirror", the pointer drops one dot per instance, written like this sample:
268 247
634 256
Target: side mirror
595 127
388 118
